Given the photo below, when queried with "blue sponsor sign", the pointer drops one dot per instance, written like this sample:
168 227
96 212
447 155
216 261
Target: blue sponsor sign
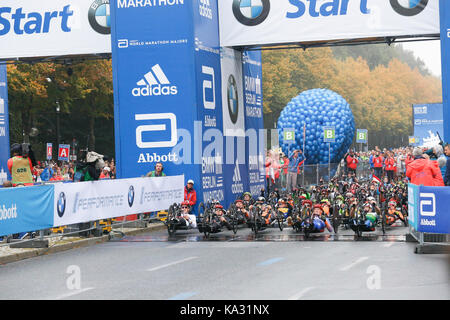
433 204
444 13
413 201
428 122
4 126
26 209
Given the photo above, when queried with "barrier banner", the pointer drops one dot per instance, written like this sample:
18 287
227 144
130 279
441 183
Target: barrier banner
4 126
25 209
54 28
428 122
291 21
96 200
428 208
444 13
433 204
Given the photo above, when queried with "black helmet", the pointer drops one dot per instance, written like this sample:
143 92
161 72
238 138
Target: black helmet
16 148
261 199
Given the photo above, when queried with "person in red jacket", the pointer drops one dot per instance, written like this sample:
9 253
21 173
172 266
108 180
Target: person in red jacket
389 166
352 162
190 195
423 171
378 165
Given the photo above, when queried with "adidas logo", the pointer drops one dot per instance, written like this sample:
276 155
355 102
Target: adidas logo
237 186
237 173
154 83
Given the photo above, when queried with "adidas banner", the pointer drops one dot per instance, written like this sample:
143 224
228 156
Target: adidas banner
96 200
4 126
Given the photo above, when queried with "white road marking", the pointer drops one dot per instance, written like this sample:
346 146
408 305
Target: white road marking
362 259
73 293
171 264
388 244
299 295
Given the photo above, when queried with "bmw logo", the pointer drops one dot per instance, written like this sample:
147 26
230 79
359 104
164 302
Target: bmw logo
99 16
131 196
251 12
233 100
409 7
61 205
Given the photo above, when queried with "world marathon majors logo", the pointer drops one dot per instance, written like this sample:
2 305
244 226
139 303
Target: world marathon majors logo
251 12
233 99
408 8
99 16
61 204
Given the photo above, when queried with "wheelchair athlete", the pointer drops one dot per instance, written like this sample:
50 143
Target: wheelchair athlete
184 216
243 213
219 219
368 217
318 221
393 214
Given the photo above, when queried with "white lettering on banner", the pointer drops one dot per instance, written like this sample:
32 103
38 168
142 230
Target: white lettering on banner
431 201
154 83
2 132
209 84
8 213
208 196
123 4
205 9
156 128
426 222
149 158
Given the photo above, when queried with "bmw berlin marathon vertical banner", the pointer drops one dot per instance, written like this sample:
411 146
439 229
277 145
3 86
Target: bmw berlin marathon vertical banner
209 101
444 6
254 124
4 126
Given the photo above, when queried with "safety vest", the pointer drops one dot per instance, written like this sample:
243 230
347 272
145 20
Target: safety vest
21 172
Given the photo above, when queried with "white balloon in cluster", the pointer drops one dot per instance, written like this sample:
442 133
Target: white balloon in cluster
316 109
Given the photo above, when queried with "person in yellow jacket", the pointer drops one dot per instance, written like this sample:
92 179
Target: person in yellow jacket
20 166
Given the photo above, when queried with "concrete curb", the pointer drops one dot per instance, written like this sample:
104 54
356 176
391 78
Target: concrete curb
31 253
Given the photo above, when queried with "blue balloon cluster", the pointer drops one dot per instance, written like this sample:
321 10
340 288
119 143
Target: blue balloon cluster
317 108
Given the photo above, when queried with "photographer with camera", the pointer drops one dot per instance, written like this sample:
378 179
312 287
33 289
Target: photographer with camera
21 164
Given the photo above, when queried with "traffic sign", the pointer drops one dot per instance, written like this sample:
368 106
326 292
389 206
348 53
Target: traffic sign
64 152
289 135
329 134
361 136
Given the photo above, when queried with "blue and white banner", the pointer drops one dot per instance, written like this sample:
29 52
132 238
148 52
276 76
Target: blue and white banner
96 200
154 91
444 12
428 124
4 126
433 207
254 124
413 205
25 209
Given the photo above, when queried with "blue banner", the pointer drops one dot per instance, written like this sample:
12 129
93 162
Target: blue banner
26 209
4 126
254 124
428 124
444 12
154 95
432 209
413 205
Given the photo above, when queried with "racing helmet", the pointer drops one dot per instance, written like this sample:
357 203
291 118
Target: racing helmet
392 203
261 200
185 203
318 206
307 202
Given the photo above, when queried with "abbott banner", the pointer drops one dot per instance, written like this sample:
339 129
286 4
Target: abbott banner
259 22
50 28
90 201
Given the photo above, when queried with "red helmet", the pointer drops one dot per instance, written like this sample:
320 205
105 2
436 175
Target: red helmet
218 206
239 200
185 203
307 202
318 206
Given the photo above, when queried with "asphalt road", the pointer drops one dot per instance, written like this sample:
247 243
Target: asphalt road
276 265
